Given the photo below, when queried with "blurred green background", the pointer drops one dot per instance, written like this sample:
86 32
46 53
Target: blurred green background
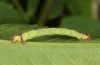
79 15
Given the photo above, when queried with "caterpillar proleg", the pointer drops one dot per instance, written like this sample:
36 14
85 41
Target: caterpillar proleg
49 31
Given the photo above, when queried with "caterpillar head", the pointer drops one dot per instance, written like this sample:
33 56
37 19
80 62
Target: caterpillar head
17 38
86 37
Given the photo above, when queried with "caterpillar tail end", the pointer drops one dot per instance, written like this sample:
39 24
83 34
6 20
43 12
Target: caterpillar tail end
17 38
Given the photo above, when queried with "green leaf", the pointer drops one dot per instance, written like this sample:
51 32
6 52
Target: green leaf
78 7
82 24
33 53
9 30
8 13
47 50
32 7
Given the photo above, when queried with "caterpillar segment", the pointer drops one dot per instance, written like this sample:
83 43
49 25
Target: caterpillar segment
49 31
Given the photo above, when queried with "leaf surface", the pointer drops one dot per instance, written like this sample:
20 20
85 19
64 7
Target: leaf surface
35 53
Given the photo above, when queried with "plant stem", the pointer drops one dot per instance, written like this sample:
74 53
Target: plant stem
45 12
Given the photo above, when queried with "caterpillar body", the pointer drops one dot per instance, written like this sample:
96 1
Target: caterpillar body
49 31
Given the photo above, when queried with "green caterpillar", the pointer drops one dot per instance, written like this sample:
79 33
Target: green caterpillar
49 31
